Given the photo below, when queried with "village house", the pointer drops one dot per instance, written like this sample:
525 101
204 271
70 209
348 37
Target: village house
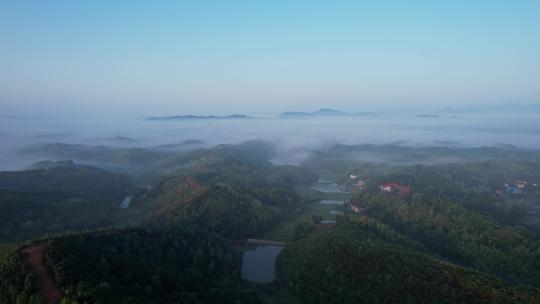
358 184
357 209
396 189
512 189
519 186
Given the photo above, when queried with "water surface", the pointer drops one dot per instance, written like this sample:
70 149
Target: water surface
258 263
331 202
125 203
328 186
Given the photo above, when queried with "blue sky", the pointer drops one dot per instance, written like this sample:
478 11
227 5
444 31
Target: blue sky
160 57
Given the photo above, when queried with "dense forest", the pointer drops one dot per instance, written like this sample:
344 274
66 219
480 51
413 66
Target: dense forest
457 236
459 224
18 284
479 185
58 197
484 179
460 235
269 152
348 265
28 215
233 198
187 265
87 182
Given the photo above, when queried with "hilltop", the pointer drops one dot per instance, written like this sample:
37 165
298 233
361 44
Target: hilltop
324 112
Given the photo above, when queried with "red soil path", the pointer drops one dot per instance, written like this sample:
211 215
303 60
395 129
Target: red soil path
36 262
189 185
193 185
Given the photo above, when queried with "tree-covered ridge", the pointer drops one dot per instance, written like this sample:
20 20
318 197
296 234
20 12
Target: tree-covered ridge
232 171
29 215
479 186
410 238
186 265
17 283
58 197
84 181
348 266
139 265
460 235
233 198
230 212
456 238
475 177
252 151
399 154
148 163
112 156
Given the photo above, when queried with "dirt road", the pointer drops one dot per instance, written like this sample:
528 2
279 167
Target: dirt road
35 259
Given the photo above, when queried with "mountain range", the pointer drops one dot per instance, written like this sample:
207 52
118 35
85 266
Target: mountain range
324 112
196 117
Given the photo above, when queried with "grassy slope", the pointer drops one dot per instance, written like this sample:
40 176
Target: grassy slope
284 231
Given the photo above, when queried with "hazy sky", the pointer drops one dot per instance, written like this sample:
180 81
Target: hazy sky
161 57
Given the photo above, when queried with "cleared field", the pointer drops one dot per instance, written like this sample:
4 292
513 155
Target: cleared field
284 231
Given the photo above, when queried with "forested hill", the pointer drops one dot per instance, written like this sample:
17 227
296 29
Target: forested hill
144 163
398 154
58 198
185 265
349 266
84 181
234 198
463 236
443 233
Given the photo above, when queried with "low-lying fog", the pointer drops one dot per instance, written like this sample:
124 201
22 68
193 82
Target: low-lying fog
290 135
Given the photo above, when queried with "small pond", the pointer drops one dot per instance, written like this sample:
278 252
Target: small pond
533 210
328 186
259 263
331 202
125 203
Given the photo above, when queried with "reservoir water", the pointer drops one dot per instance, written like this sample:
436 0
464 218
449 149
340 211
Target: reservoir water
259 263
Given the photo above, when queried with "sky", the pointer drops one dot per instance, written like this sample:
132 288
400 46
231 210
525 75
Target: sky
219 57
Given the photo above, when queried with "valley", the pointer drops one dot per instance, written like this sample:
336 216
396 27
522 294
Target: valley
454 217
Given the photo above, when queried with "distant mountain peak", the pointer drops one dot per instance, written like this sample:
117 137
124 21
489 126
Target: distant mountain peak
196 117
328 110
325 112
